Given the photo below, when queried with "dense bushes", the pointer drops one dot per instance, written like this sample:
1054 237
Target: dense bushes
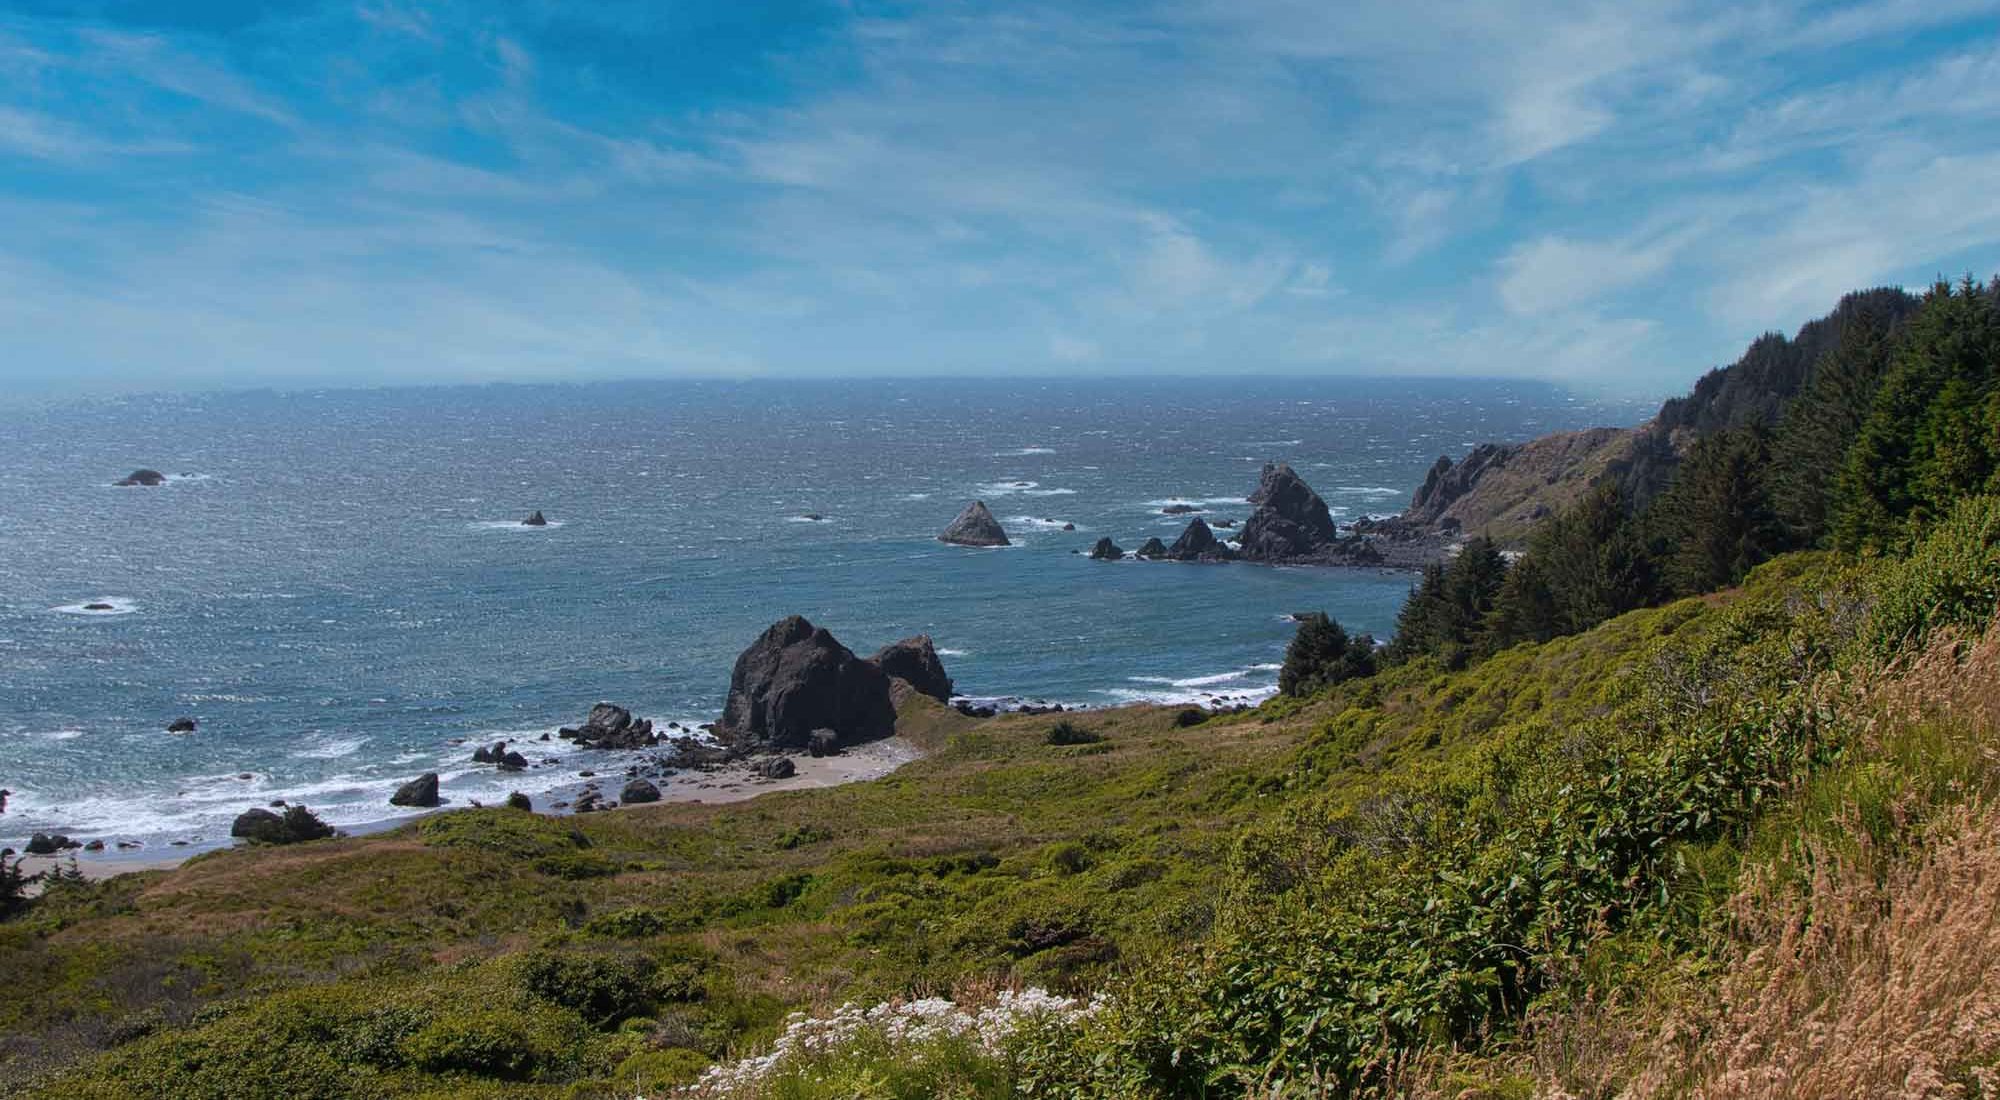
1951 578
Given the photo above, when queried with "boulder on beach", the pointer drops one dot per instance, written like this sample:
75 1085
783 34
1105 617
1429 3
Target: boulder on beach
142 477
536 520
611 727
915 662
639 791
1291 521
43 844
797 678
181 725
421 791
294 825
778 767
1106 550
823 743
1153 550
975 527
1198 543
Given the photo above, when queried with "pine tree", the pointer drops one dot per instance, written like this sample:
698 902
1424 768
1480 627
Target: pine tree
1445 617
1715 523
1821 424
1321 655
1524 610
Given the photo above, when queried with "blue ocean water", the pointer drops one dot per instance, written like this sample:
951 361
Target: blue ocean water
336 584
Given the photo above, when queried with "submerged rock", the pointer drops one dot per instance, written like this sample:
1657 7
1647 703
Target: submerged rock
915 662
421 791
142 477
1106 550
536 520
797 678
975 527
639 791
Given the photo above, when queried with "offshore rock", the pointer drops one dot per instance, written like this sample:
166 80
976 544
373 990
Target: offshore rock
1153 550
1198 543
421 791
975 527
1291 521
1106 550
142 477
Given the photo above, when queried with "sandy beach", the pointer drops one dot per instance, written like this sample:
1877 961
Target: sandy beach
734 782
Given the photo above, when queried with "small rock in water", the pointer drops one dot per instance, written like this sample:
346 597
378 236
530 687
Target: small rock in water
143 477
535 520
245 775
975 527
129 844
98 607
42 844
421 791
814 517
94 846
1179 510
181 725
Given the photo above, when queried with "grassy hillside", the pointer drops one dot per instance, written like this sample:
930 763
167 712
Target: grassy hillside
1412 879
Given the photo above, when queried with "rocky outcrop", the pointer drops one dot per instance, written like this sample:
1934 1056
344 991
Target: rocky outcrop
181 725
1106 550
611 727
638 792
1180 510
1502 491
797 678
421 791
823 743
915 662
975 527
778 767
294 825
536 520
1152 550
1198 543
498 753
1290 523
142 477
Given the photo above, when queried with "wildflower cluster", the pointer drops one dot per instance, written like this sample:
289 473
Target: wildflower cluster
905 1032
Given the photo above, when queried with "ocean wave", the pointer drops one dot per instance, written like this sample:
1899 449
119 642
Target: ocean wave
916 496
953 653
1369 490
1025 452
57 735
1048 492
1003 488
1276 442
513 525
112 605
1041 523
332 748
807 519
1167 502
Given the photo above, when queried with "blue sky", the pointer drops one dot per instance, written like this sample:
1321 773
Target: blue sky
1615 196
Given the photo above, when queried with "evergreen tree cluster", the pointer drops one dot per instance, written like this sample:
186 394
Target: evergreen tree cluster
1322 655
1855 435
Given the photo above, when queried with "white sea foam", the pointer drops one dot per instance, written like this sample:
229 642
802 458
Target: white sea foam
1026 451
513 525
1276 442
916 496
114 605
952 653
1251 684
1369 490
1198 502
1048 492
1038 522
332 748
1003 488
58 735
807 519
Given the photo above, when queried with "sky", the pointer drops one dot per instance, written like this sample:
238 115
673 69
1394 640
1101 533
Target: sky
1611 196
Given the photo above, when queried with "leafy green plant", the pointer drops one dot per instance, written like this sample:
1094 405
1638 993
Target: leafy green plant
1067 732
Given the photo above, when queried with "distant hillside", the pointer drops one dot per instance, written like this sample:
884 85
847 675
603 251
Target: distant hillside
1501 490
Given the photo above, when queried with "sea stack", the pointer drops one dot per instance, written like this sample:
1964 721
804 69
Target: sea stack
1106 550
914 662
143 477
1291 521
1153 550
797 678
975 527
1198 543
536 520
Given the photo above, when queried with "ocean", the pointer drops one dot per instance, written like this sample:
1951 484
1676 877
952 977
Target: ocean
337 586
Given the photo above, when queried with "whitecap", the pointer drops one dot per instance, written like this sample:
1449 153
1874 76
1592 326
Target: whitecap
1024 452
1038 522
1196 501
1002 488
952 653
1276 442
58 735
112 605
1368 490
916 496
807 519
331 749
1048 492
512 525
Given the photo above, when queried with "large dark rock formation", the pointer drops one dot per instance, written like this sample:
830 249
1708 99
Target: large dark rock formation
975 527
638 792
795 679
1106 550
143 477
264 827
421 791
1198 543
1151 550
611 727
1291 521
915 662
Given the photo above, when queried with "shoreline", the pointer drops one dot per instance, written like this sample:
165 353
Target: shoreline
735 781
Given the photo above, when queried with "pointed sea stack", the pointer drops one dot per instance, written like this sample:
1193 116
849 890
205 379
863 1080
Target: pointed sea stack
535 520
1106 550
975 527
1153 550
1291 521
1198 543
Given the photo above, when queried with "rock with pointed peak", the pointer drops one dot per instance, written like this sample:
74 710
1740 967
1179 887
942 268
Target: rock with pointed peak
975 527
1106 550
1153 550
536 520
1291 521
1198 543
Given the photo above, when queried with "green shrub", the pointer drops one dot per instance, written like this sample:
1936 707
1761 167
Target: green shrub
1950 579
1067 732
518 801
655 1069
602 987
